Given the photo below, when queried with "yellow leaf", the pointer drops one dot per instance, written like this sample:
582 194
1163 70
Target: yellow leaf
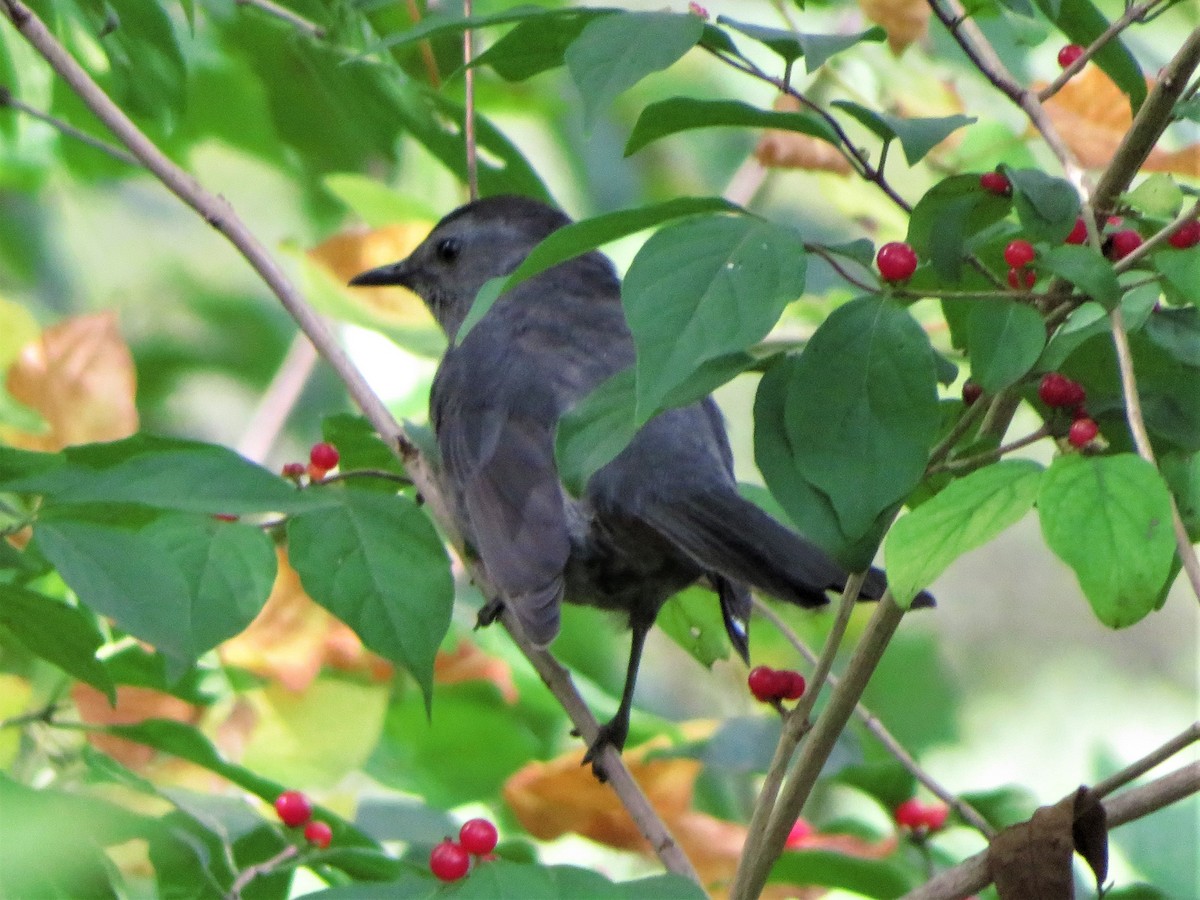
905 21
353 252
779 149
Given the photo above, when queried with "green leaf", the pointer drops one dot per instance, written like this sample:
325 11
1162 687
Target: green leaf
952 212
580 237
537 44
595 430
613 53
433 25
377 204
147 66
862 410
667 117
376 563
967 514
778 459
1005 339
1003 806
818 48
62 635
917 136
1087 270
1181 270
785 43
164 473
1177 333
692 619
1082 22
1158 195
1046 206
877 878
1109 519
704 288
183 583
360 448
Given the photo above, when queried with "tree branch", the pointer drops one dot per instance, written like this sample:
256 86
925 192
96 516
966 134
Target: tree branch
972 874
7 99
221 216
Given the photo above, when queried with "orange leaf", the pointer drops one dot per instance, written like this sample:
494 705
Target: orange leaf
904 21
293 638
79 375
134 704
467 662
791 150
350 253
1092 115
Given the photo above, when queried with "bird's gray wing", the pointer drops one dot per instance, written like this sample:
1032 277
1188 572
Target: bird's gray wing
501 462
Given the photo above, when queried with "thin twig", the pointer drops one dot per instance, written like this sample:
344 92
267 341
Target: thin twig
296 20
1154 758
220 215
972 875
265 867
968 463
45 715
7 99
427 57
965 423
1156 240
278 400
380 474
1134 13
880 732
469 108
752 873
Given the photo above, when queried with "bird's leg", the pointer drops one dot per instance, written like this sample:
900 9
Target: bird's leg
616 730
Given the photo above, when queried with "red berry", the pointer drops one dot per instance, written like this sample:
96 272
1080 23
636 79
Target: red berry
971 391
449 861
996 183
793 685
1115 221
1068 54
1078 234
1124 242
1083 432
225 517
318 833
1186 235
1021 279
764 683
293 808
316 473
1019 253
1060 391
896 261
910 813
293 470
324 456
935 815
478 836
799 834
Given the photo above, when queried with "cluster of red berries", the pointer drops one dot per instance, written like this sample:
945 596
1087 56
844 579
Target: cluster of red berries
1019 254
451 860
295 809
921 818
321 459
767 684
1060 392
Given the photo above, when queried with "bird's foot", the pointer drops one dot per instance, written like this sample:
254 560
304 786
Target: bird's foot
612 734
489 613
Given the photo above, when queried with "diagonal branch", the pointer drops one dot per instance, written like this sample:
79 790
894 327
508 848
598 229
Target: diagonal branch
220 215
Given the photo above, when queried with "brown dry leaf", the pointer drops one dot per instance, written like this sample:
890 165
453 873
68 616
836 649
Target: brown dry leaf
781 149
353 252
467 662
79 376
292 638
1033 859
905 21
1092 115
134 704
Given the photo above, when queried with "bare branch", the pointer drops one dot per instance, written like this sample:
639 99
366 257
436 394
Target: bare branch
469 140
7 99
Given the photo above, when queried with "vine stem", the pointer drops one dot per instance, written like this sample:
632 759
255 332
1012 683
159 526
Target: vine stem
219 213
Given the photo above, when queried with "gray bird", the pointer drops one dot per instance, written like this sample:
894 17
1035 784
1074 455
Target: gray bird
664 514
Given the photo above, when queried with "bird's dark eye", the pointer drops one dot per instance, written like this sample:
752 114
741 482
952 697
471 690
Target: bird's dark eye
448 249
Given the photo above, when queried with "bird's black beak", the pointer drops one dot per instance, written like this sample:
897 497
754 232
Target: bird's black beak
391 274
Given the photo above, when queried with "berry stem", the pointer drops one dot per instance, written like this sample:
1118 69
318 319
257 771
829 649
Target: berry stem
970 463
265 867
